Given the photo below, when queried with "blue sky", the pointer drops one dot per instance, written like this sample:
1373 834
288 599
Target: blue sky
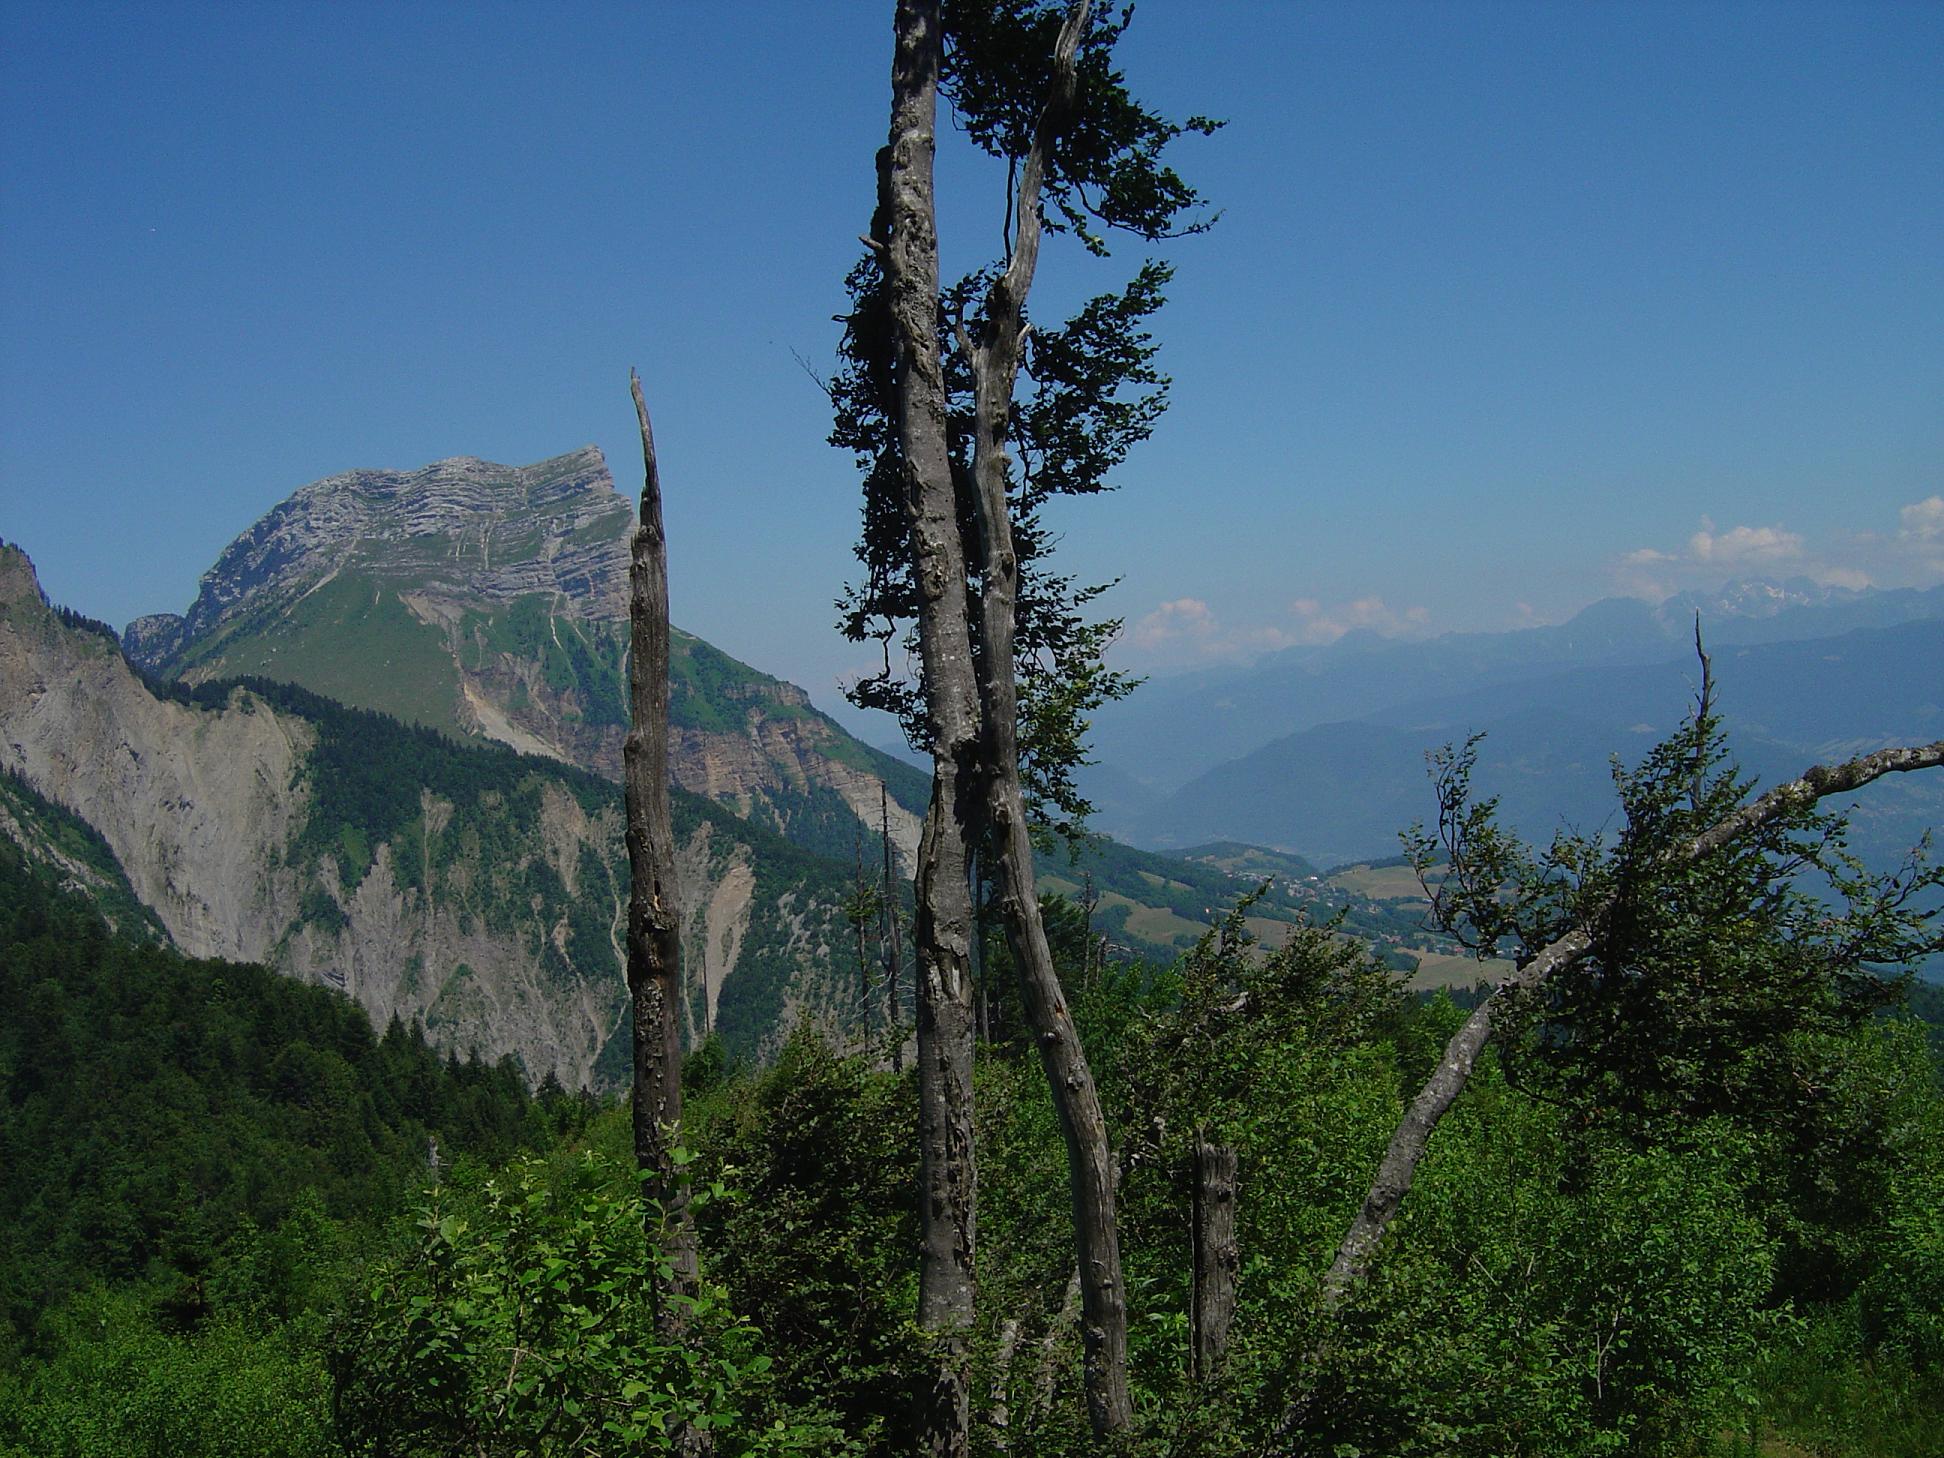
1509 308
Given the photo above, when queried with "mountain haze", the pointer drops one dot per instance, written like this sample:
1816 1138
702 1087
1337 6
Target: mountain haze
1177 728
1341 791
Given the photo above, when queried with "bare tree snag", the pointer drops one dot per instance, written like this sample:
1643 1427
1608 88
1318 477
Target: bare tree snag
860 911
1448 1080
1217 1258
654 913
943 925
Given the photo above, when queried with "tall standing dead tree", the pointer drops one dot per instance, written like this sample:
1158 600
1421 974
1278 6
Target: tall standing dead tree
654 911
1217 1260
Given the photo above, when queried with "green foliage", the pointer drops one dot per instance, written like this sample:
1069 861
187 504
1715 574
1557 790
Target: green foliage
523 1321
1282 1057
1107 166
64 850
151 1106
1710 976
1900 1294
121 1386
1832 1393
1550 1298
817 1249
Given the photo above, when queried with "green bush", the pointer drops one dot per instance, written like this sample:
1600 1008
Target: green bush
522 1321
120 1387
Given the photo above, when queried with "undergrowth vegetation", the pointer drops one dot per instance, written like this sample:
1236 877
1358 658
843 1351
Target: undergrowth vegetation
226 1232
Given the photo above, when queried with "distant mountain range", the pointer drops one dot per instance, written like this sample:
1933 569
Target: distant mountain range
231 803
1321 751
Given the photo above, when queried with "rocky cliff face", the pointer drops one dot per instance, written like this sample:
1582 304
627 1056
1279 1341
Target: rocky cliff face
189 801
480 893
492 601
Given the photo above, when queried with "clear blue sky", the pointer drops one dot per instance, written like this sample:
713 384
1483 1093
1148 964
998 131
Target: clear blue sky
1510 307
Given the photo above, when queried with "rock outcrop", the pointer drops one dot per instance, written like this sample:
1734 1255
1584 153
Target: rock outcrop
477 892
491 600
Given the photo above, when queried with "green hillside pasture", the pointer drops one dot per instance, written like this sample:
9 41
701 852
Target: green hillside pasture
1446 969
586 659
1156 923
351 640
1379 883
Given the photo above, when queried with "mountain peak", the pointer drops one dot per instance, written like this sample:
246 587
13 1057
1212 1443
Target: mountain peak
459 533
1755 597
18 582
487 599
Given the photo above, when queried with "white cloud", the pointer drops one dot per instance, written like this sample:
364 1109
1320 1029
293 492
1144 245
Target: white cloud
1316 623
1186 630
1923 521
1744 546
1911 557
1184 618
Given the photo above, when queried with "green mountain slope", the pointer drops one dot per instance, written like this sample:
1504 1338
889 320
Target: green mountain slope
152 1105
490 601
460 884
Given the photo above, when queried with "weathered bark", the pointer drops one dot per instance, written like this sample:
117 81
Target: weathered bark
859 914
994 358
654 915
1448 1080
942 926
999 1412
1217 1258
892 941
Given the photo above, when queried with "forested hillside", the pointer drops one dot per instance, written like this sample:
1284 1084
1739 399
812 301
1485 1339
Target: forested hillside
221 1234
186 1145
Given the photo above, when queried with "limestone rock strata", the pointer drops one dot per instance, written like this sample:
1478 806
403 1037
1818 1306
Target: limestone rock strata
491 600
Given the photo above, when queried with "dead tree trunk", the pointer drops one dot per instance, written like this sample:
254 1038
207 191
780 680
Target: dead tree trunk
860 911
994 359
654 912
1047 1378
1217 1259
943 925
999 1412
